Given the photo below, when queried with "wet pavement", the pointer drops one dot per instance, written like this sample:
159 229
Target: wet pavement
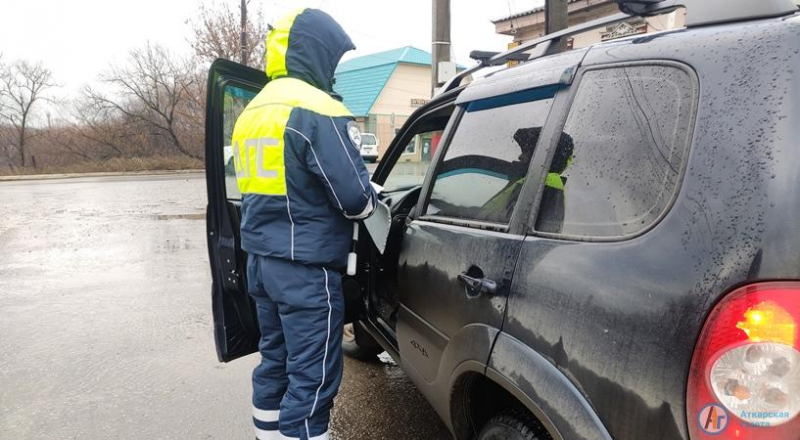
106 329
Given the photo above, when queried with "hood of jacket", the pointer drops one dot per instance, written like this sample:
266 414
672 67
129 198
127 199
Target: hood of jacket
307 44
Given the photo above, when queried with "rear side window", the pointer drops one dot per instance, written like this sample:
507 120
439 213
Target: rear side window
487 160
618 162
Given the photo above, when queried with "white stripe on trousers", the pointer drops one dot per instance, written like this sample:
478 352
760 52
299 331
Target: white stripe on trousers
266 415
323 436
262 434
324 361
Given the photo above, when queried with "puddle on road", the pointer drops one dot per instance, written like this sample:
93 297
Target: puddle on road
200 216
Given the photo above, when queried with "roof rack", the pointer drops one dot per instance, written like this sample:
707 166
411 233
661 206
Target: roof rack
481 56
699 12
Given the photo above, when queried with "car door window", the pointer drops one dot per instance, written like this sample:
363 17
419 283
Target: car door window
618 162
235 99
409 164
487 161
410 169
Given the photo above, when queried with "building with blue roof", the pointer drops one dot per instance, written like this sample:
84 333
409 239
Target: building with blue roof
383 89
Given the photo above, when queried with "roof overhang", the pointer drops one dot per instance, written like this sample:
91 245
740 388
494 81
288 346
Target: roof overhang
536 11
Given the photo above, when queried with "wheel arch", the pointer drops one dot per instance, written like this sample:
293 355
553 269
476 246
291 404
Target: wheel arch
543 390
476 398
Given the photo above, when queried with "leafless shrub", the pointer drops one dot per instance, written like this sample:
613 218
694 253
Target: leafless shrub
22 85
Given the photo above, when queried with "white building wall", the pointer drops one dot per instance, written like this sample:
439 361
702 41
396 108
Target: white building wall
532 26
409 81
394 106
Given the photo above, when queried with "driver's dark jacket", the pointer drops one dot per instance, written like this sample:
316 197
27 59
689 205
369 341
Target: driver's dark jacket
302 177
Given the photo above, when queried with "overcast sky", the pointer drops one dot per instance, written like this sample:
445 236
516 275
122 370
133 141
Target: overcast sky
78 39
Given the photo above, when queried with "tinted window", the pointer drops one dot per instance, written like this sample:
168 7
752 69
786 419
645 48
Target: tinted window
618 161
487 161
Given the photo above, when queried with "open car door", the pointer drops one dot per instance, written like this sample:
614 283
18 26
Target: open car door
231 86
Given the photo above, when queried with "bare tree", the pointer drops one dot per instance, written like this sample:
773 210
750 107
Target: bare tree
5 147
111 133
192 111
216 33
151 90
22 85
3 69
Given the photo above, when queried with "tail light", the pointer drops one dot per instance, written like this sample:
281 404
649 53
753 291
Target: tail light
744 381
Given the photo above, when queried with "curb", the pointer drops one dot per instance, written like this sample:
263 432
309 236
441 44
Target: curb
104 174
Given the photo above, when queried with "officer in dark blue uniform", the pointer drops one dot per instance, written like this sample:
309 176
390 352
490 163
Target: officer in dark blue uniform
296 153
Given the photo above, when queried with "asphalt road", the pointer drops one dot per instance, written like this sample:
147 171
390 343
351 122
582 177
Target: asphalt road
106 329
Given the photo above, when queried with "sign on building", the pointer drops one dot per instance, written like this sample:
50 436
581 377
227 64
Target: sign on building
419 102
624 29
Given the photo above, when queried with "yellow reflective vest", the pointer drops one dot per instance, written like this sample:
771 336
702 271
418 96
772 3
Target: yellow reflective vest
296 150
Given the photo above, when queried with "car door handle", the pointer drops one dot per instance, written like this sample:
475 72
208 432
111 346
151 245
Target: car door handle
475 286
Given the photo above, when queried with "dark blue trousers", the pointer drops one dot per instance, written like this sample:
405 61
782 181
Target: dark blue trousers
301 314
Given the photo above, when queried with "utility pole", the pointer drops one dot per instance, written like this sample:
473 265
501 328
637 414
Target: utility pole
556 19
243 44
441 39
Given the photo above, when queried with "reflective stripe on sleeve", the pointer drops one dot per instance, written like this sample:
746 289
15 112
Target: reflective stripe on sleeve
355 170
316 159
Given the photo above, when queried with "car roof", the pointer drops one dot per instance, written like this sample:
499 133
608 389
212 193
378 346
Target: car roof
560 68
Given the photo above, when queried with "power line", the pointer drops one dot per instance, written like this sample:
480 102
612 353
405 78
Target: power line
511 18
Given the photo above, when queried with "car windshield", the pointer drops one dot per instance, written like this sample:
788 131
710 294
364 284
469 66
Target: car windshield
368 139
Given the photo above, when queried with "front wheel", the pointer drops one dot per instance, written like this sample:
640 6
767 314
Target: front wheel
508 427
358 344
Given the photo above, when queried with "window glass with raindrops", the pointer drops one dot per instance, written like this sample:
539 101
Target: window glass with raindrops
619 160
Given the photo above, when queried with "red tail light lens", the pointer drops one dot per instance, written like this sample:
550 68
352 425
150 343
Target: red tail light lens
744 381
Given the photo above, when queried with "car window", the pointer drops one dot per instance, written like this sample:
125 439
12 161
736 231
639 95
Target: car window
485 165
368 139
618 161
411 147
235 99
411 167
411 164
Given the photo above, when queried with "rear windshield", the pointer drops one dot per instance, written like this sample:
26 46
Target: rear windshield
368 139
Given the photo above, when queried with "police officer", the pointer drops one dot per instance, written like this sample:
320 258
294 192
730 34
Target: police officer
304 183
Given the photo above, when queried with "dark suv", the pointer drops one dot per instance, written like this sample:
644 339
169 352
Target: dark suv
602 243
